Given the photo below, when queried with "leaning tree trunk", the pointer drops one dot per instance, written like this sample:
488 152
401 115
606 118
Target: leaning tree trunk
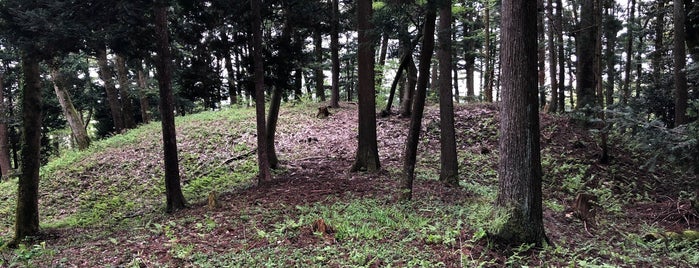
367 149
449 168
410 155
27 213
173 189
5 166
75 122
105 74
519 212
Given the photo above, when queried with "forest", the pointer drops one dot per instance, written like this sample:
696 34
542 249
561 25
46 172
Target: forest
336 133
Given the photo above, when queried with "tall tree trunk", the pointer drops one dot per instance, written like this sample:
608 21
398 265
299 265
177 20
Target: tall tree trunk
691 29
318 69
143 93
611 29
629 52
410 155
519 214
367 150
265 175
597 69
173 189
449 168
335 54
488 91
105 74
553 57
124 92
586 45
27 213
541 52
5 166
679 54
75 122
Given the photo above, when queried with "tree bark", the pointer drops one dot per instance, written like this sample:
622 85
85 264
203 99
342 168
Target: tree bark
680 60
335 54
367 150
265 174
519 201
409 92
5 166
410 155
173 189
27 213
77 127
124 92
449 168
105 74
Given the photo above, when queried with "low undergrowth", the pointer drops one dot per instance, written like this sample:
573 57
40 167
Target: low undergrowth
104 206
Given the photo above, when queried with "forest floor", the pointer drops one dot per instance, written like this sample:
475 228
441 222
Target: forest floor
104 206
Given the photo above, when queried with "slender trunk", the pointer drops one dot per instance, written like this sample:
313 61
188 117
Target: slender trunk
74 120
124 92
367 149
105 74
27 213
271 128
382 60
143 93
680 74
298 83
5 166
265 175
335 55
404 62
410 155
561 58
173 189
228 63
449 168
318 70
553 58
488 77
455 82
